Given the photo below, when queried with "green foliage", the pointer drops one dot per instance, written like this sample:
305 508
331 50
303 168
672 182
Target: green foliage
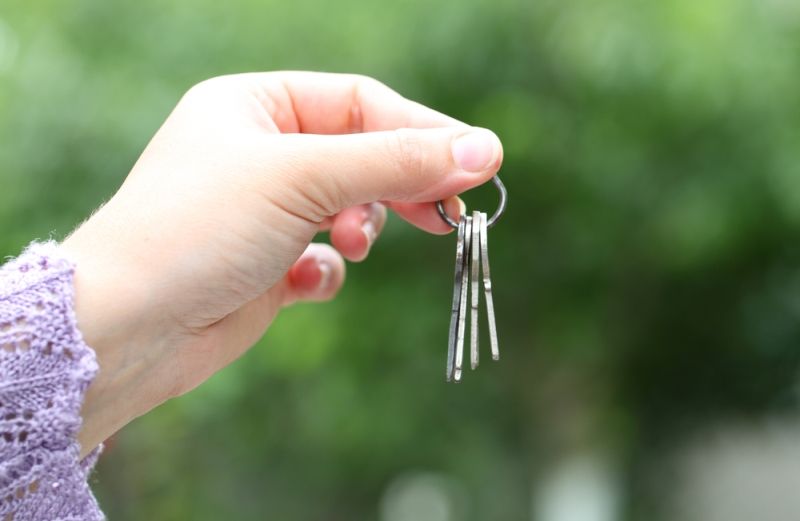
646 273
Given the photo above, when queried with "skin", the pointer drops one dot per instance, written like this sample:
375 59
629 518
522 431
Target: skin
186 266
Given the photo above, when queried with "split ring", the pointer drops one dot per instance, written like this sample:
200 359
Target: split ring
501 208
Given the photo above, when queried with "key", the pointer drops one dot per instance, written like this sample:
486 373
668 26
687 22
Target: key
475 288
462 311
487 287
454 317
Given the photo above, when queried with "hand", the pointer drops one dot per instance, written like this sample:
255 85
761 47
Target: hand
210 234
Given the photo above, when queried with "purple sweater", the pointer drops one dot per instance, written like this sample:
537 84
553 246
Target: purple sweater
45 368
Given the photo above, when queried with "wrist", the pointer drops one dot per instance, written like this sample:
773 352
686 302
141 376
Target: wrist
113 308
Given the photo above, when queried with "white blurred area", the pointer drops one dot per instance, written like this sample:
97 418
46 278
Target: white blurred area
422 496
580 488
737 471
8 46
741 472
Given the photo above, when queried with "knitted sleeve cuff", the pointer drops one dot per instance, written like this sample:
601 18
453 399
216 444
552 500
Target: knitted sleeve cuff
45 369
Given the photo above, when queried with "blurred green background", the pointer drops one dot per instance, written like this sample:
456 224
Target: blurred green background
647 272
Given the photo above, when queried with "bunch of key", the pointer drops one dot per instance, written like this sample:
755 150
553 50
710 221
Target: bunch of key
472 272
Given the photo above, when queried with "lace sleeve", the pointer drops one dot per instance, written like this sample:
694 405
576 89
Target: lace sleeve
45 368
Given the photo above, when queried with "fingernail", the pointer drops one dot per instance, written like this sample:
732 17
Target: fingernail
373 221
476 151
325 271
455 207
369 231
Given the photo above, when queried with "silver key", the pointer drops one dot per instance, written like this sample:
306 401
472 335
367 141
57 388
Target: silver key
487 286
475 287
462 313
454 317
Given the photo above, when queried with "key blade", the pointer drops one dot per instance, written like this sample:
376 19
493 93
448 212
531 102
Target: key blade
462 315
451 344
487 287
474 288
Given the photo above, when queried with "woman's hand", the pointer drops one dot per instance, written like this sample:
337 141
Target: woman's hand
210 234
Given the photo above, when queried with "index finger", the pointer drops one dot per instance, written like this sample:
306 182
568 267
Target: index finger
327 103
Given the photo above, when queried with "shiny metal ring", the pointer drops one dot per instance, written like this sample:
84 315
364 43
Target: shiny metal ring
495 217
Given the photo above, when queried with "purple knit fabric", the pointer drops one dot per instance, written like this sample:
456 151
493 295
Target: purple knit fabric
45 368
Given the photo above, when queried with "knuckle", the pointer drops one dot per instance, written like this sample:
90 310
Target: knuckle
324 198
209 87
203 86
365 88
309 191
408 153
366 83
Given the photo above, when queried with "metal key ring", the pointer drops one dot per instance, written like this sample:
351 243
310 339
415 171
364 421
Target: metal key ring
495 217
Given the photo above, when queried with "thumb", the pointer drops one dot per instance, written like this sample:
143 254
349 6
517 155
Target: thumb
418 165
